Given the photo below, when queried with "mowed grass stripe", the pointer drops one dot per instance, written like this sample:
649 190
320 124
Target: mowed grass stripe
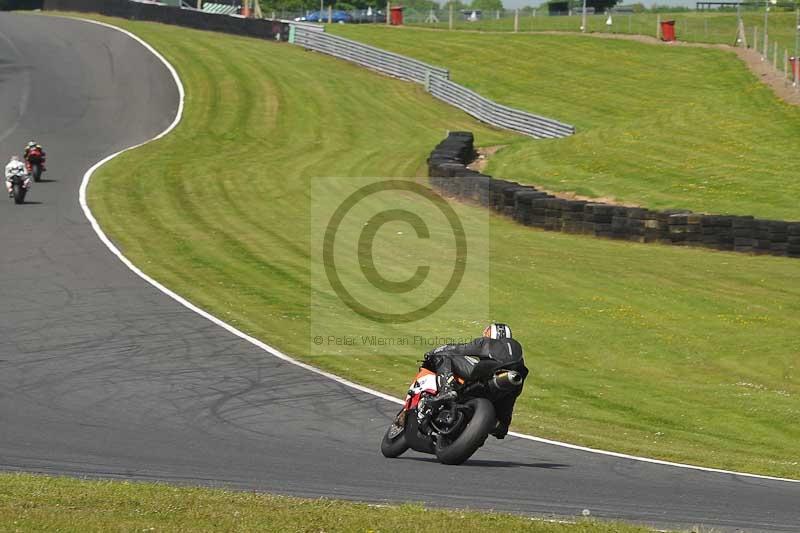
37 503
680 354
663 127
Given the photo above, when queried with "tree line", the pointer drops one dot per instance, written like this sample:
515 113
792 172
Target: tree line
350 5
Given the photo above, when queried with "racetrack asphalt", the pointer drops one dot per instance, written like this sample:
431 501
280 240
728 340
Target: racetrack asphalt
103 375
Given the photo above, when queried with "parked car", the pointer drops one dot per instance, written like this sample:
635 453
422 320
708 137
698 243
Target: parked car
364 16
336 16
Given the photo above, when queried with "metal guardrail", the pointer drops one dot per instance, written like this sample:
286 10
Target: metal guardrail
436 81
310 26
390 63
496 114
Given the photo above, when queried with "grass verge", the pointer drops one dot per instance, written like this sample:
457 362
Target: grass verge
718 27
37 503
680 354
658 126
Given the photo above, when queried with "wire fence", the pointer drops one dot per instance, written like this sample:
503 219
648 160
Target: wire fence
779 45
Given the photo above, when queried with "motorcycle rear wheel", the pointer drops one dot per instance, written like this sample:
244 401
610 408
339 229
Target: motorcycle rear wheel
474 435
394 445
19 194
36 171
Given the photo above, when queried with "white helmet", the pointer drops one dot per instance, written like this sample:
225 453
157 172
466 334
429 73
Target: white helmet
497 331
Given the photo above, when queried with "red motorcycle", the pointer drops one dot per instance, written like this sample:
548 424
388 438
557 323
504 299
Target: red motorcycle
34 160
451 428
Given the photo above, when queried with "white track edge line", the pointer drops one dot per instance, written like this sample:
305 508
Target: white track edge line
277 353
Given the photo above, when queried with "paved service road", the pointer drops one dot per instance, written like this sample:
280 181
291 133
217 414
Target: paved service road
101 374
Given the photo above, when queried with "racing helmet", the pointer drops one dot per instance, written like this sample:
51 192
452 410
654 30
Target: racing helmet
32 144
497 330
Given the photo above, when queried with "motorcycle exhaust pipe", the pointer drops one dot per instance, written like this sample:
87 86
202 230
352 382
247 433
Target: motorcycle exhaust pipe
506 380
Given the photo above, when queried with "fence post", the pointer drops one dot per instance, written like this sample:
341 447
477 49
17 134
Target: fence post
427 80
775 57
785 64
741 36
450 25
797 34
766 46
330 14
658 26
516 20
199 4
755 38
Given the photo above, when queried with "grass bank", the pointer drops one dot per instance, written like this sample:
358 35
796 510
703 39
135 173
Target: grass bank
37 503
680 354
658 126
718 27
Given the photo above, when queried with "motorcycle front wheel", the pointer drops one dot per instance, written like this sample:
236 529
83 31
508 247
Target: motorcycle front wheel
394 442
458 450
19 194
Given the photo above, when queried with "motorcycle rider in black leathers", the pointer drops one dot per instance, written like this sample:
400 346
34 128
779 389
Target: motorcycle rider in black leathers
468 360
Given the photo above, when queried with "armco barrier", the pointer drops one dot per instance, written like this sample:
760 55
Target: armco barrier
373 58
529 206
436 80
496 114
189 18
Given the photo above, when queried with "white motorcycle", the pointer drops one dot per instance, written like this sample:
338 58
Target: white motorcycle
20 185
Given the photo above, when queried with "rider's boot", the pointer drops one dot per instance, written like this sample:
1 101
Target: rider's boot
446 391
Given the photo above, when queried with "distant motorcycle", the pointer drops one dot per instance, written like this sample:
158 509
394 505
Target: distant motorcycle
34 161
20 184
454 428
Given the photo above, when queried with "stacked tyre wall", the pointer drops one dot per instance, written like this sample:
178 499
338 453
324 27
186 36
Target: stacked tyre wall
448 172
189 18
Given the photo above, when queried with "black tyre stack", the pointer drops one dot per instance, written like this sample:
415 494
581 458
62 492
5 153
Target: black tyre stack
448 172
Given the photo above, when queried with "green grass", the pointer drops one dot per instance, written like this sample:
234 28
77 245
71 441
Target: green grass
718 27
680 354
36 503
658 126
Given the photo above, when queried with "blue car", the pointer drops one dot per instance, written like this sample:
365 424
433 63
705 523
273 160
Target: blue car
336 16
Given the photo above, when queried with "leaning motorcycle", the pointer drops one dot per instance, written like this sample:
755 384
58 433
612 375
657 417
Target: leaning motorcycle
20 184
34 160
452 429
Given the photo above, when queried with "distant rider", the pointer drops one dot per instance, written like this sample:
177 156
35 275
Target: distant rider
13 168
463 360
31 146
